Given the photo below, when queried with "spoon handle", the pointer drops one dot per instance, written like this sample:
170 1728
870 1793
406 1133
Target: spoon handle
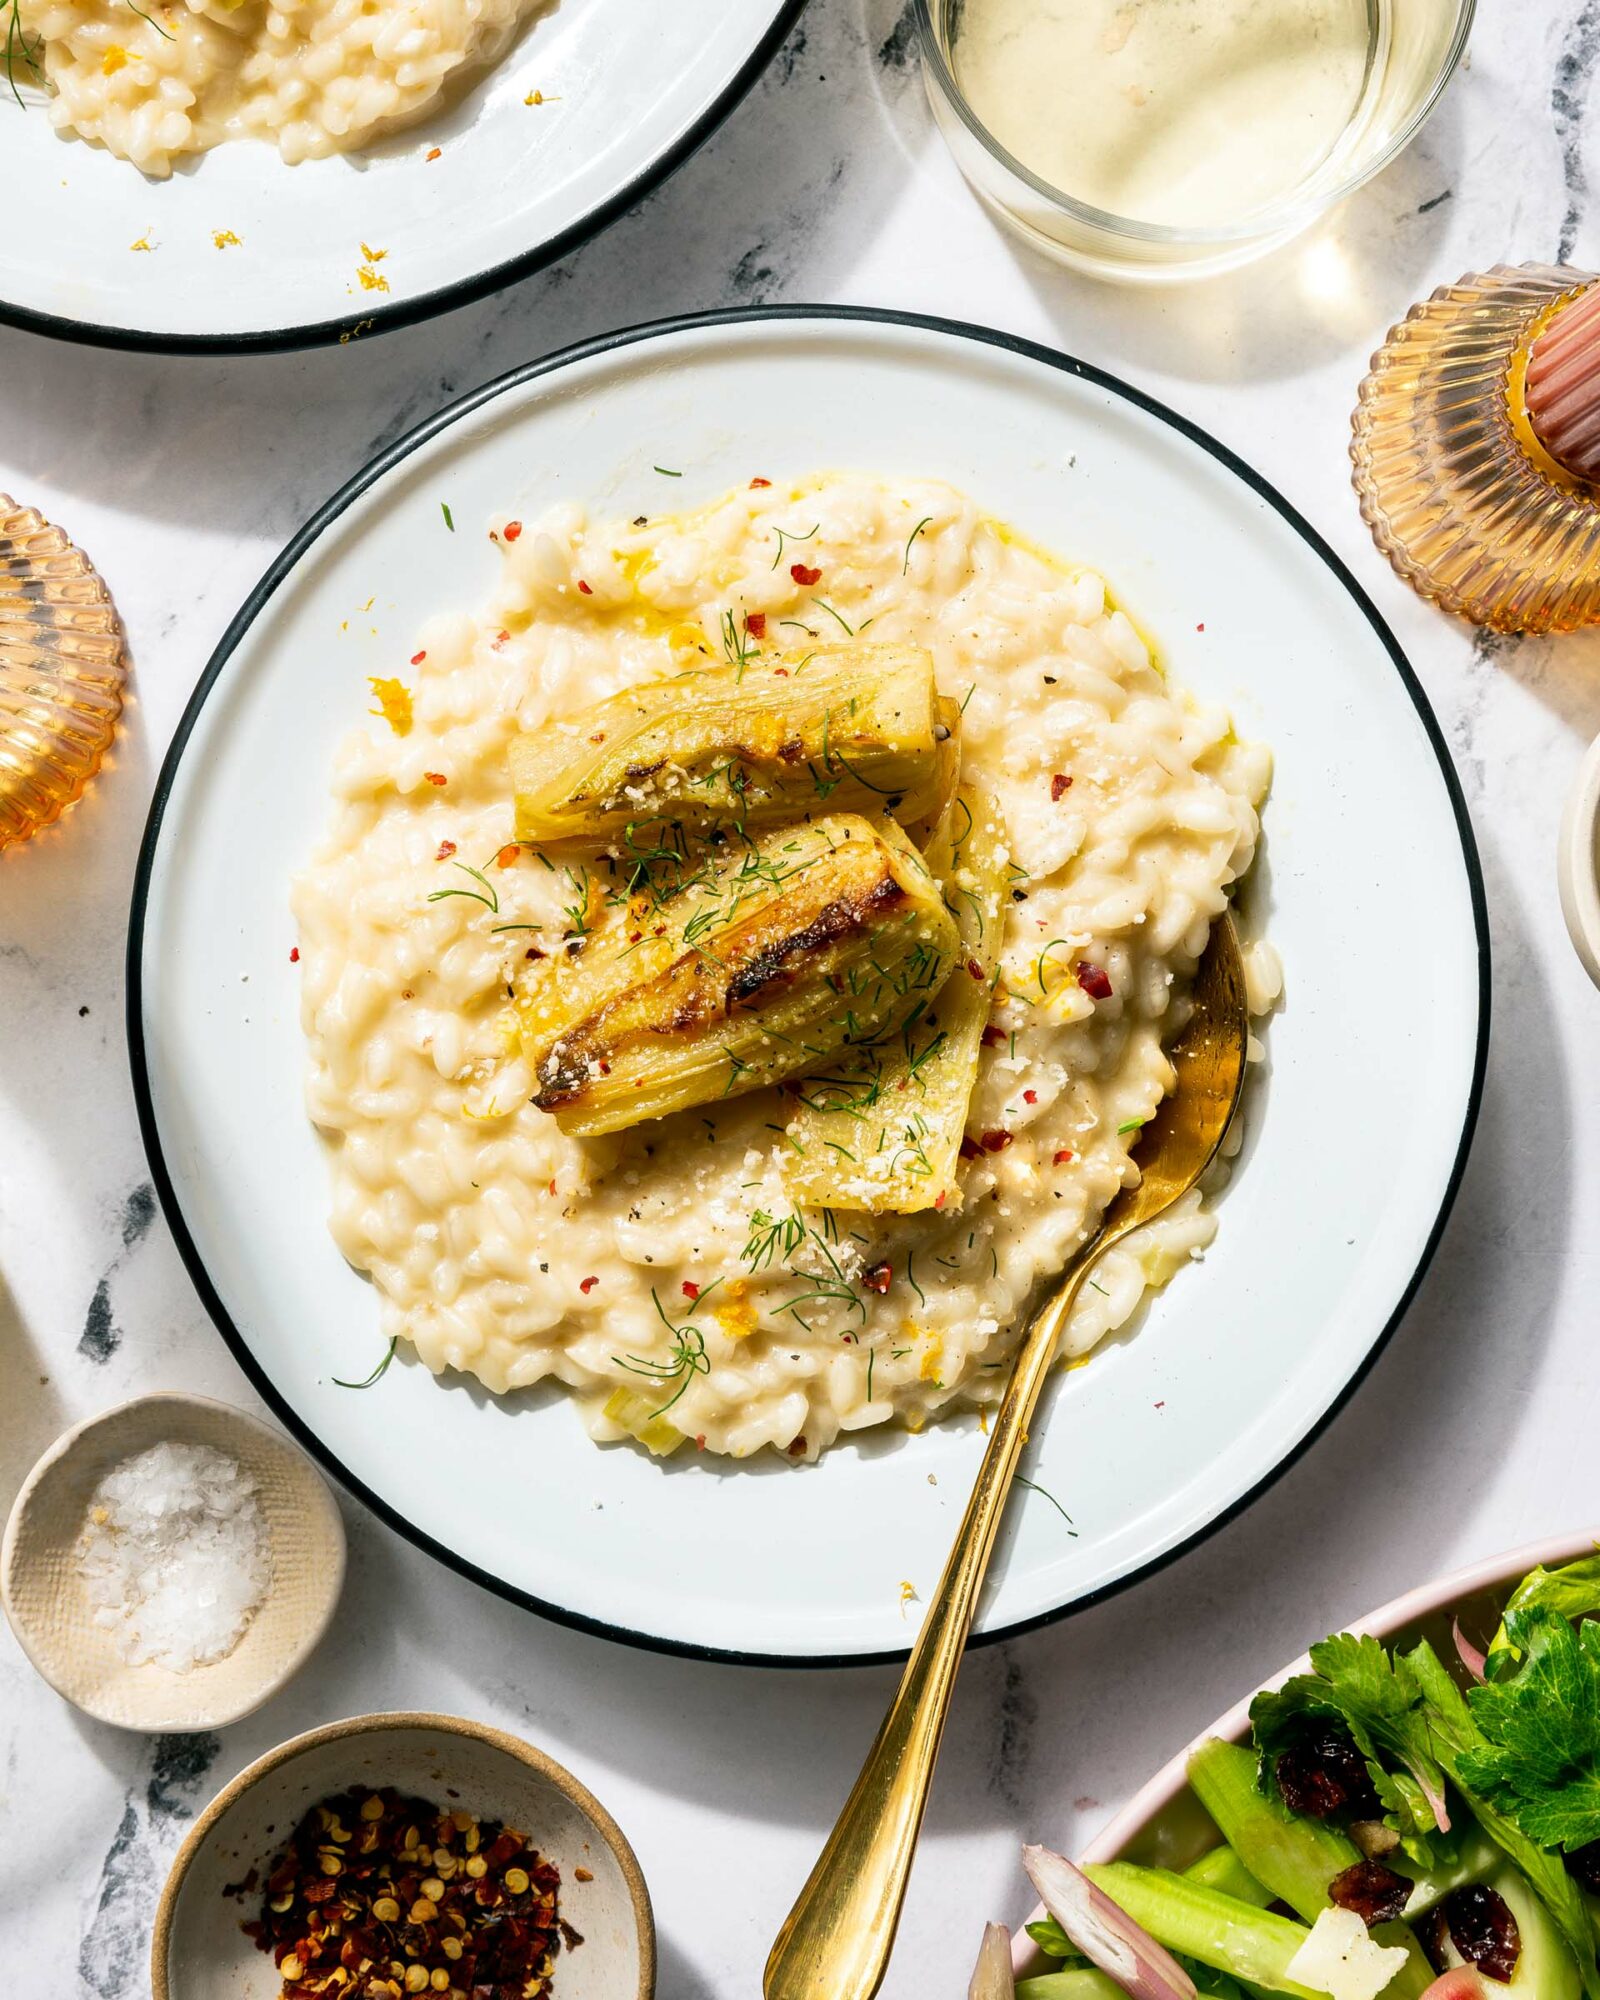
835 1942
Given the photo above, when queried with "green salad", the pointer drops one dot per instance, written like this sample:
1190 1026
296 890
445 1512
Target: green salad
1402 1825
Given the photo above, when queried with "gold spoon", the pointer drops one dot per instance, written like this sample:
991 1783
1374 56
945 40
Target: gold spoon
835 1942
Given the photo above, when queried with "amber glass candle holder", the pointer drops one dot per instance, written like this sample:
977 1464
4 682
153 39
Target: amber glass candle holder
62 669
1472 437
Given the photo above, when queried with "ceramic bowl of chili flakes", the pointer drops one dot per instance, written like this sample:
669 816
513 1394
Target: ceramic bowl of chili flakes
392 1855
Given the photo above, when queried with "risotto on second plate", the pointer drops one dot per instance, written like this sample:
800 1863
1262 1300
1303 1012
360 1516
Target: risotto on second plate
155 82
665 1274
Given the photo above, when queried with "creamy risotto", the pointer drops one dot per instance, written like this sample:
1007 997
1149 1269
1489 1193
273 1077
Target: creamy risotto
157 81
663 1274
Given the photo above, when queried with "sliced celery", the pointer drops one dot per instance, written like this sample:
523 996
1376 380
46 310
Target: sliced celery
1220 1931
1222 1869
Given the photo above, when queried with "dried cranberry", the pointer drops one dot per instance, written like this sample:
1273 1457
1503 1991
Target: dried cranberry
1376 1893
1583 1865
1483 1930
1324 1774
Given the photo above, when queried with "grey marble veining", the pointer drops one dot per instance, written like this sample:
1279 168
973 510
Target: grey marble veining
1473 1432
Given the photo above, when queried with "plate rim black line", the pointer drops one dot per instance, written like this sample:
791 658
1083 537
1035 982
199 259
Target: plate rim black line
443 298
305 539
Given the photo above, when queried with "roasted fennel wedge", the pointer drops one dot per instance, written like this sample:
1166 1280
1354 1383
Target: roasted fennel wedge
880 1128
760 967
854 728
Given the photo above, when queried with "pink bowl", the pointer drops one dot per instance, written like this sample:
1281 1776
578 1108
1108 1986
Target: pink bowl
1165 1826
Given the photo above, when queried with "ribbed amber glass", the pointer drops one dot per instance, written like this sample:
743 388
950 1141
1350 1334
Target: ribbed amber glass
1454 486
62 670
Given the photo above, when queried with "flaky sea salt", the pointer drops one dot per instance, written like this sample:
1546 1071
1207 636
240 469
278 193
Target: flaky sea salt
174 1555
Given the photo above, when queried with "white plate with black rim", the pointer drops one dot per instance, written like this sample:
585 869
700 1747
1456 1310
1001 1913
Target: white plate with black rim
1325 1230
239 252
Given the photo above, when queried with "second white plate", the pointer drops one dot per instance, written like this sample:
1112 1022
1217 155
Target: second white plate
1369 885
237 251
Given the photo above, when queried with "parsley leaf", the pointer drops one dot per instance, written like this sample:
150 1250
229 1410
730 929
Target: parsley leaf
1541 1762
1380 1703
1573 1590
1457 1738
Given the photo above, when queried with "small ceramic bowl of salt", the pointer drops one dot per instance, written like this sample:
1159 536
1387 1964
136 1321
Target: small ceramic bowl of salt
169 1564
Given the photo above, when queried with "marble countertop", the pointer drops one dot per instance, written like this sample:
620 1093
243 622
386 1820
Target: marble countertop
1474 1432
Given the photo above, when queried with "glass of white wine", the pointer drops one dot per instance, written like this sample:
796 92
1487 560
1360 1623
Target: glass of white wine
1161 139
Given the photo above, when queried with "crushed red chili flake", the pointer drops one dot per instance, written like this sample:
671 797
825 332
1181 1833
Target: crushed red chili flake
584 588
975 969
418 658
803 575
755 624
1030 1097
294 954
1200 627
995 1142
992 1036
1093 979
446 849
1063 1157
588 1284
759 482
512 530
379 1895
436 777
1323 1774
879 1278
939 1199
509 853
691 1291
434 153
1058 784
1483 1929
1376 1893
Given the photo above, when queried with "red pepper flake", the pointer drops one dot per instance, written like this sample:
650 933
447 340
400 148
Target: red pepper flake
446 849
294 954
583 1874
509 853
512 530
1030 1097
939 1199
1064 1157
1093 979
434 153
803 575
1200 627
756 624
879 1278
975 969
552 1187
995 1142
1058 784
691 1291
992 1036
588 1285
759 482
418 658
584 588
436 777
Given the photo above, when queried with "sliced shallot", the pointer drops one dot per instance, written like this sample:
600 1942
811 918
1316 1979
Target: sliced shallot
1469 1655
991 1976
1104 1932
